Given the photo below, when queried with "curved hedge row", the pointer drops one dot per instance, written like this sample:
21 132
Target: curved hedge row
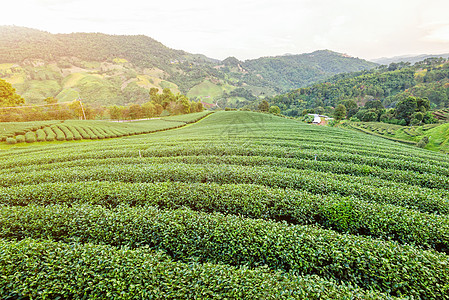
431 200
66 131
51 135
50 270
215 238
347 215
424 180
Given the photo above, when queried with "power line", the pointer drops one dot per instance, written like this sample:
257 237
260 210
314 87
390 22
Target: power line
31 106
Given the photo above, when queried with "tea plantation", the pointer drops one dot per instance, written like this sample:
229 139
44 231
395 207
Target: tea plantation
239 205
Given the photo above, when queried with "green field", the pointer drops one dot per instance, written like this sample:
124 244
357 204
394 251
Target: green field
239 205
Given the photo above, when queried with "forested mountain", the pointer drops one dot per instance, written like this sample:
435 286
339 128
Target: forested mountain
389 84
118 69
292 71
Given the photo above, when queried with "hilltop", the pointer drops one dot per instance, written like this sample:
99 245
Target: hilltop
120 69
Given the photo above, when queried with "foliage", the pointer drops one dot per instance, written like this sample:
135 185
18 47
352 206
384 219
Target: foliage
340 112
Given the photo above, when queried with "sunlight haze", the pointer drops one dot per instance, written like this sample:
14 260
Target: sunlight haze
250 29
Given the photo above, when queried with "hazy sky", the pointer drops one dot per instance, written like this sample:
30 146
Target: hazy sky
250 29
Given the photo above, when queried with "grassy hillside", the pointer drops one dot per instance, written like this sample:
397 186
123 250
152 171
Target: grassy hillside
114 69
437 134
238 205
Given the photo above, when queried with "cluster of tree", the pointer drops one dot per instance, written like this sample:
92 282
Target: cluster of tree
173 104
264 106
409 111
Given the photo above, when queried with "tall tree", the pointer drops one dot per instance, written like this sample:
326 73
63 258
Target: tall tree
264 106
340 112
8 96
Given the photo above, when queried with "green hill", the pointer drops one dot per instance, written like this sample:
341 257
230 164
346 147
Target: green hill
118 69
238 205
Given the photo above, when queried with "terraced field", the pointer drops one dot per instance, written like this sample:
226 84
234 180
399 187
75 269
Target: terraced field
239 206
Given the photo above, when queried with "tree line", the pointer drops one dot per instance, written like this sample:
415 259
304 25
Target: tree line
13 109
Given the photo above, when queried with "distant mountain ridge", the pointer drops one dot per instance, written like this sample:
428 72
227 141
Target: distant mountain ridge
120 69
407 58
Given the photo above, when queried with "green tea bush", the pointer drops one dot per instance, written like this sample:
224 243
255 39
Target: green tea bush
91 134
20 138
40 135
68 134
49 270
11 140
51 135
348 215
368 189
216 238
82 132
60 136
30 137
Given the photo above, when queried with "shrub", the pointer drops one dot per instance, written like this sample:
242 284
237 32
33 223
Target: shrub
216 238
423 142
41 136
20 138
11 140
60 136
51 135
30 137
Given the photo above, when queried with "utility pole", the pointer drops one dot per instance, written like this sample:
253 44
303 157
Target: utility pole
82 107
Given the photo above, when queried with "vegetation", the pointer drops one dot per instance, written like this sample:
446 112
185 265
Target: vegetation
248 204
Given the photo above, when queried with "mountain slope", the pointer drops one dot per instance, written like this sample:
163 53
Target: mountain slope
118 69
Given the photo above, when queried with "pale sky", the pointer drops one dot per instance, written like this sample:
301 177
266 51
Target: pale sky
252 28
